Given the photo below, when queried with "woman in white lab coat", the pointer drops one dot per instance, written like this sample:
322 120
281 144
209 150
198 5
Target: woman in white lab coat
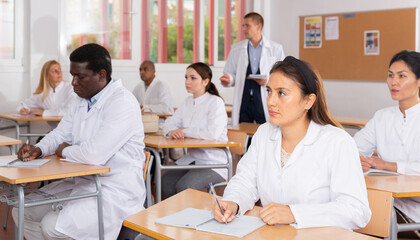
202 115
52 97
301 165
394 132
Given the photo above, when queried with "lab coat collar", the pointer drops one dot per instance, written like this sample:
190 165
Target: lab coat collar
200 99
58 88
110 87
265 43
311 135
413 111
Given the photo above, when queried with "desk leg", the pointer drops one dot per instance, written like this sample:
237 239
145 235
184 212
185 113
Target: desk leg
229 159
12 149
393 230
100 210
158 173
21 212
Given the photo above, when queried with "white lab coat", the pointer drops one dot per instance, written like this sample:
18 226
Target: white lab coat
236 66
110 134
204 118
157 96
396 140
55 104
322 181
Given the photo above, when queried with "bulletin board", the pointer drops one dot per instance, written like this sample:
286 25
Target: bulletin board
345 57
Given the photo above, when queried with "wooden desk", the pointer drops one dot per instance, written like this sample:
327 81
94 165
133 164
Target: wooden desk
400 186
54 169
249 128
15 118
144 222
154 143
9 142
351 122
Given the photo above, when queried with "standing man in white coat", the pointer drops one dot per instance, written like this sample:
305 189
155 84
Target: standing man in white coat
102 127
152 92
252 56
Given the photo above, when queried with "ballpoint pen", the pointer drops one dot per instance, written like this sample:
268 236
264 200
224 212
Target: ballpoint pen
217 200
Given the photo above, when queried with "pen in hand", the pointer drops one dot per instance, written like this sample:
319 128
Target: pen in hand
217 200
25 155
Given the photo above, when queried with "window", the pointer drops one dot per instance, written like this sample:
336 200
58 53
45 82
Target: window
183 31
11 43
105 22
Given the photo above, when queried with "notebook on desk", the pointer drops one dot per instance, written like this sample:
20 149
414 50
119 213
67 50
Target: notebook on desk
374 171
14 162
203 220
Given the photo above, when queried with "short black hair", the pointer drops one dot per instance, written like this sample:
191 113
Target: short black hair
96 56
411 58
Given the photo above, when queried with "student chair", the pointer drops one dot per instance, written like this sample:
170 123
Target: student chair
146 176
239 137
380 204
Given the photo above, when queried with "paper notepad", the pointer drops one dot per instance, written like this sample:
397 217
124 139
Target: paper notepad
203 220
374 171
14 162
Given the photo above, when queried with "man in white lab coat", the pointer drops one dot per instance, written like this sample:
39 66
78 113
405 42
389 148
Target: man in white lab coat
103 127
152 92
247 68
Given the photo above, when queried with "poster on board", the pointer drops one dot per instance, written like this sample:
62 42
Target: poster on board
371 42
331 28
313 32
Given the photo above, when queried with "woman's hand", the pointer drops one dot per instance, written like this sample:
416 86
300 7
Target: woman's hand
177 134
275 213
37 111
230 209
367 163
24 111
59 150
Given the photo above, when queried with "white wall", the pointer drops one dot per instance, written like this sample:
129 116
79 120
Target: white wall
346 98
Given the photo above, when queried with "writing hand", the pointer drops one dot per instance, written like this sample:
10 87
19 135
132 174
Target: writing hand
225 79
24 111
28 152
230 209
37 111
59 150
275 213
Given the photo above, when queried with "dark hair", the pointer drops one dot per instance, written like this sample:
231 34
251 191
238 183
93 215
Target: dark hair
306 79
410 58
256 18
96 56
205 72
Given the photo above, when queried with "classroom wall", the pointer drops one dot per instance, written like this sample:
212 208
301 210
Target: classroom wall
346 98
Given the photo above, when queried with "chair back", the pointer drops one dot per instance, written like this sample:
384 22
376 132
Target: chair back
380 204
239 137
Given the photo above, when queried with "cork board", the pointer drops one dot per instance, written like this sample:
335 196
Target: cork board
345 58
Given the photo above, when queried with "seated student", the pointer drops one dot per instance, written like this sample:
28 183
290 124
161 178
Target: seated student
202 115
153 93
52 97
301 165
103 127
394 132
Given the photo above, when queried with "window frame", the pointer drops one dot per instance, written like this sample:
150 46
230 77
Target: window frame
16 64
129 65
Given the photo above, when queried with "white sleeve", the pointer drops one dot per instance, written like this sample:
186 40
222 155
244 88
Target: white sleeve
174 122
68 98
348 207
216 123
366 139
242 188
121 119
139 92
32 102
165 105
231 66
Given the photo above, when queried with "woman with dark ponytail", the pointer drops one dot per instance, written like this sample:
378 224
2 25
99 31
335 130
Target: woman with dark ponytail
202 115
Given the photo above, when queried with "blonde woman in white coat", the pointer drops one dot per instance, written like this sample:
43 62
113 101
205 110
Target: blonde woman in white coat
302 166
202 115
52 97
394 132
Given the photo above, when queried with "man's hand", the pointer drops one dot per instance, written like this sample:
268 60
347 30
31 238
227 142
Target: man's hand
260 81
225 79
28 152
59 150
